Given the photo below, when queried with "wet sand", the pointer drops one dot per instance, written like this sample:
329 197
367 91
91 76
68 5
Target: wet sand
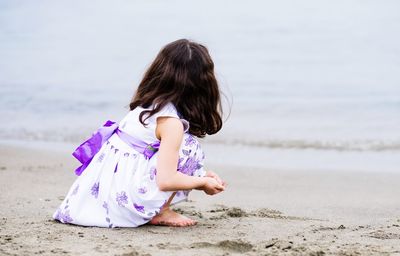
263 212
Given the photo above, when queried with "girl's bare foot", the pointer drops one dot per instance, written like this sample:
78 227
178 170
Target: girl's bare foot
168 217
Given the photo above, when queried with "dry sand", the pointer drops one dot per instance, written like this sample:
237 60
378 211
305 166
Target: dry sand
263 212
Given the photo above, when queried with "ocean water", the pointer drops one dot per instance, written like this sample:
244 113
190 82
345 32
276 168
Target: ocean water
310 84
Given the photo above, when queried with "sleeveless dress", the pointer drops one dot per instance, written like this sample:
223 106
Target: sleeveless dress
118 188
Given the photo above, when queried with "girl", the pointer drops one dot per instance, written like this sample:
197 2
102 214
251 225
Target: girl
132 172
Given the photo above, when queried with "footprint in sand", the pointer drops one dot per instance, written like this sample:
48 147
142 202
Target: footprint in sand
238 246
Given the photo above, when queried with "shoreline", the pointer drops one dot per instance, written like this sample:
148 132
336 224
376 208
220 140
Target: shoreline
263 211
280 160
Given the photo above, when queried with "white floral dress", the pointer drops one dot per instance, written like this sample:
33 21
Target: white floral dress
118 188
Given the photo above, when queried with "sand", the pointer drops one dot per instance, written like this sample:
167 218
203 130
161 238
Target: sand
262 212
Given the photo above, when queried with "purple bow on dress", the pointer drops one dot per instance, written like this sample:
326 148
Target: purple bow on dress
88 149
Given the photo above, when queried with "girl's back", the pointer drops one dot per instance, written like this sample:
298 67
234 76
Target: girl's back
119 188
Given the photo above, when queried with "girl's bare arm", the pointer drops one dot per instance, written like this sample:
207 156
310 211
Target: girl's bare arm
170 131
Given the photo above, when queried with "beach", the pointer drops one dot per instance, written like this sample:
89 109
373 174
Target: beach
262 212
310 146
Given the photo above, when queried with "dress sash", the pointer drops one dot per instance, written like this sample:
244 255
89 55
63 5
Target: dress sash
88 149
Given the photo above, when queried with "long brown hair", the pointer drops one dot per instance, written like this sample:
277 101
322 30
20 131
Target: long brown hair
183 74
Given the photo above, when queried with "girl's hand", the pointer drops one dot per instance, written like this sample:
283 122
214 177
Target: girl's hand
212 186
215 176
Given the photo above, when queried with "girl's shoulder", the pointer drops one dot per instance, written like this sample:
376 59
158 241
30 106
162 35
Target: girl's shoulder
169 110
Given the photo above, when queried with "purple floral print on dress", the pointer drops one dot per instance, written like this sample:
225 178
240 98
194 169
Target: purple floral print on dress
108 220
139 208
116 168
190 140
75 191
66 217
186 152
63 216
95 189
153 173
142 190
122 198
190 166
180 161
105 206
